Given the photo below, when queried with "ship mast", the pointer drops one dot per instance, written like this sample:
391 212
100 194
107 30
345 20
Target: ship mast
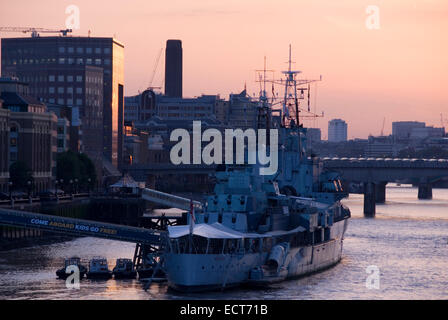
264 112
290 98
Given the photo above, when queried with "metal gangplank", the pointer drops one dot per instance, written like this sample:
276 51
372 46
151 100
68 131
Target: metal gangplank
169 200
78 227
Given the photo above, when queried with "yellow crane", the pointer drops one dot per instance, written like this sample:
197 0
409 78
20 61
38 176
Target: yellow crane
35 32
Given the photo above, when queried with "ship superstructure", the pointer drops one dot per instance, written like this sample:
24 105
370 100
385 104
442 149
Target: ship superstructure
257 229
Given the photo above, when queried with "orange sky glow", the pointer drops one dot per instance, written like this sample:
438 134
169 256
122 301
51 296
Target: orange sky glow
398 72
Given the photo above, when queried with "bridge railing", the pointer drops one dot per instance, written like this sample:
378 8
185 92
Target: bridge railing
169 200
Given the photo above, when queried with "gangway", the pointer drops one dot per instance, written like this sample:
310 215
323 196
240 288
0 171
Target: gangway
79 227
170 200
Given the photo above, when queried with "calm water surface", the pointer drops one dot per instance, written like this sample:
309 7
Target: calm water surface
407 241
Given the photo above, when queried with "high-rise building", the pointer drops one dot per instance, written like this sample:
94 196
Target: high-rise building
173 69
74 71
337 130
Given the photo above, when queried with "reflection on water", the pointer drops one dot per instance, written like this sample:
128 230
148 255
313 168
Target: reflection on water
408 241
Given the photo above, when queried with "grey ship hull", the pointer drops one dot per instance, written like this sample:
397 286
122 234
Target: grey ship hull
205 272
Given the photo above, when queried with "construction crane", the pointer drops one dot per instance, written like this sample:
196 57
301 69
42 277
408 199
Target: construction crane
155 70
35 31
382 129
442 121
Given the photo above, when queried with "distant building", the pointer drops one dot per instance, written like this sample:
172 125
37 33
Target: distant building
63 131
70 71
142 107
131 108
4 147
173 69
426 132
382 147
68 116
242 111
337 130
313 135
403 129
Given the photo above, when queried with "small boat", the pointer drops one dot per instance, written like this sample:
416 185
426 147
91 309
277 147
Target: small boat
98 269
73 261
124 269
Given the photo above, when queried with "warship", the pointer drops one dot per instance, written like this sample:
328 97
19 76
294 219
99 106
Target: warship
261 229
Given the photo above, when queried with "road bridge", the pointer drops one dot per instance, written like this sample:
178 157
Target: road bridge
373 173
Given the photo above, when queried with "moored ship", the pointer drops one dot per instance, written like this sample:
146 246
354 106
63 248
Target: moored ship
258 229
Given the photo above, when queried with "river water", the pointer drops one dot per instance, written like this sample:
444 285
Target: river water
407 243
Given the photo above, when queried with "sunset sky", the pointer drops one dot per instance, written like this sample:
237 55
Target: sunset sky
398 72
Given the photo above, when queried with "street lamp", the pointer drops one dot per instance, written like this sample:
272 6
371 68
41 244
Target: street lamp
29 191
10 189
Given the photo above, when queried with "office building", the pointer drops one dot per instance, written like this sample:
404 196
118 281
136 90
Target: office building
403 129
337 130
70 71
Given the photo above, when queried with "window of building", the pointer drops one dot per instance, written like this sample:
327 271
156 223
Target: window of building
51 78
69 90
80 61
70 61
69 78
107 62
98 50
51 100
79 102
60 143
61 78
89 50
98 62
107 50
61 90
61 49
51 90
70 101
80 50
78 78
61 60
71 50
89 61
61 101
79 90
